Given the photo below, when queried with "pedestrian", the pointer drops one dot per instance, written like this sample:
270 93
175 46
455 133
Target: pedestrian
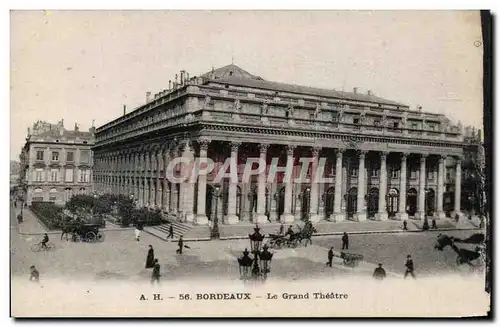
282 229
34 274
171 231
155 276
405 225
150 259
345 241
137 232
181 245
434 226
409 267
379 272
15 204
330 257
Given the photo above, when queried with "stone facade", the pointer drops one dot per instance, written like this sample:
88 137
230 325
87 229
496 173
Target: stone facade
386 161
56 163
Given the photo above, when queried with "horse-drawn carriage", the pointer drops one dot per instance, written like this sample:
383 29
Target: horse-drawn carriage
84 232
464 255
292 240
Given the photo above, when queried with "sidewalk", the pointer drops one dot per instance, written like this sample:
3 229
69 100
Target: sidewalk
325 228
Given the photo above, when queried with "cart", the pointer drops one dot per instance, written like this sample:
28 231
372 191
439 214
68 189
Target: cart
351 259
88 233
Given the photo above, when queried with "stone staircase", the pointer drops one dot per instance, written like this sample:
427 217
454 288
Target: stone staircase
188 232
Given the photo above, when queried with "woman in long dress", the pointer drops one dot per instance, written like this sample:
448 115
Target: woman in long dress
151 257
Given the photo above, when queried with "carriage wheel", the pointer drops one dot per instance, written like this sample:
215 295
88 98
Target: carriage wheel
459 260
90 237
278 244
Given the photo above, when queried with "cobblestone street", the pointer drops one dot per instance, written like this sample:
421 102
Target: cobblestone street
120 257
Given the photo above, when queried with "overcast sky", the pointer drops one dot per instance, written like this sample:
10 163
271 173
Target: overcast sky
85 65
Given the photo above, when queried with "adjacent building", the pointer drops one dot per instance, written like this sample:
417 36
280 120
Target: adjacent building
387 160
56 163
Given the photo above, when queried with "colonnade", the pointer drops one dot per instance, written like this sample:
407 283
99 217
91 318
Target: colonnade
140 174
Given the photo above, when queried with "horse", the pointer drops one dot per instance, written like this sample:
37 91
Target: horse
306 234
464 255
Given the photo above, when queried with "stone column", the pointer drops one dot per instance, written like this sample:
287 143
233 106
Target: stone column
273 210
361 212
159 192
201 215
313 204
261 217
231 217
145 183
298 202
166 189
152 179
245 202
287 216
337 214
136 176
421 189
440 188
187 187
458 190
402 214
382 210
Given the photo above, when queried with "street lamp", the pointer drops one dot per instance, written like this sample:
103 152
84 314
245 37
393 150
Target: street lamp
215 233
261 260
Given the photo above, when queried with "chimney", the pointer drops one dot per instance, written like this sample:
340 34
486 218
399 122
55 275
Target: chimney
354 90
148 96
124 109
76 127
419 108
369 92
187 77
169 84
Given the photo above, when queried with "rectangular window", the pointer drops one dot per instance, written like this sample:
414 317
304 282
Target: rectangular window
355 121
354 172
413 174
55 156
84 175
70 156
414 126
374 172
39 155
54 175
395 124
448 176
395 173
68 175
84 156
39 175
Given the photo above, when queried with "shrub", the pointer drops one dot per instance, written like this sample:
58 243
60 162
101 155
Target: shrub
48 213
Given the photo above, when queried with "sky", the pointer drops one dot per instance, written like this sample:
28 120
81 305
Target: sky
82 66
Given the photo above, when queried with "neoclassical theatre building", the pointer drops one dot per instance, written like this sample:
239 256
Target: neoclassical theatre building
387 161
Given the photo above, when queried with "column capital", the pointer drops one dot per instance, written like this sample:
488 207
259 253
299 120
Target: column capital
424 156
203 143
442 157
384 154
234 146
339 151
404 155
315 151
362 153
290 149
263 147
458 159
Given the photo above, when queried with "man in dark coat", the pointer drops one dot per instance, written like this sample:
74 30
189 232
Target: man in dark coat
345 241
409 267
405 225
155 276
282 229
379 272
434 226
150 260
171 231
330 257
289 231
181 245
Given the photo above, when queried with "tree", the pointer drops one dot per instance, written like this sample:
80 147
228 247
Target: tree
80 203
